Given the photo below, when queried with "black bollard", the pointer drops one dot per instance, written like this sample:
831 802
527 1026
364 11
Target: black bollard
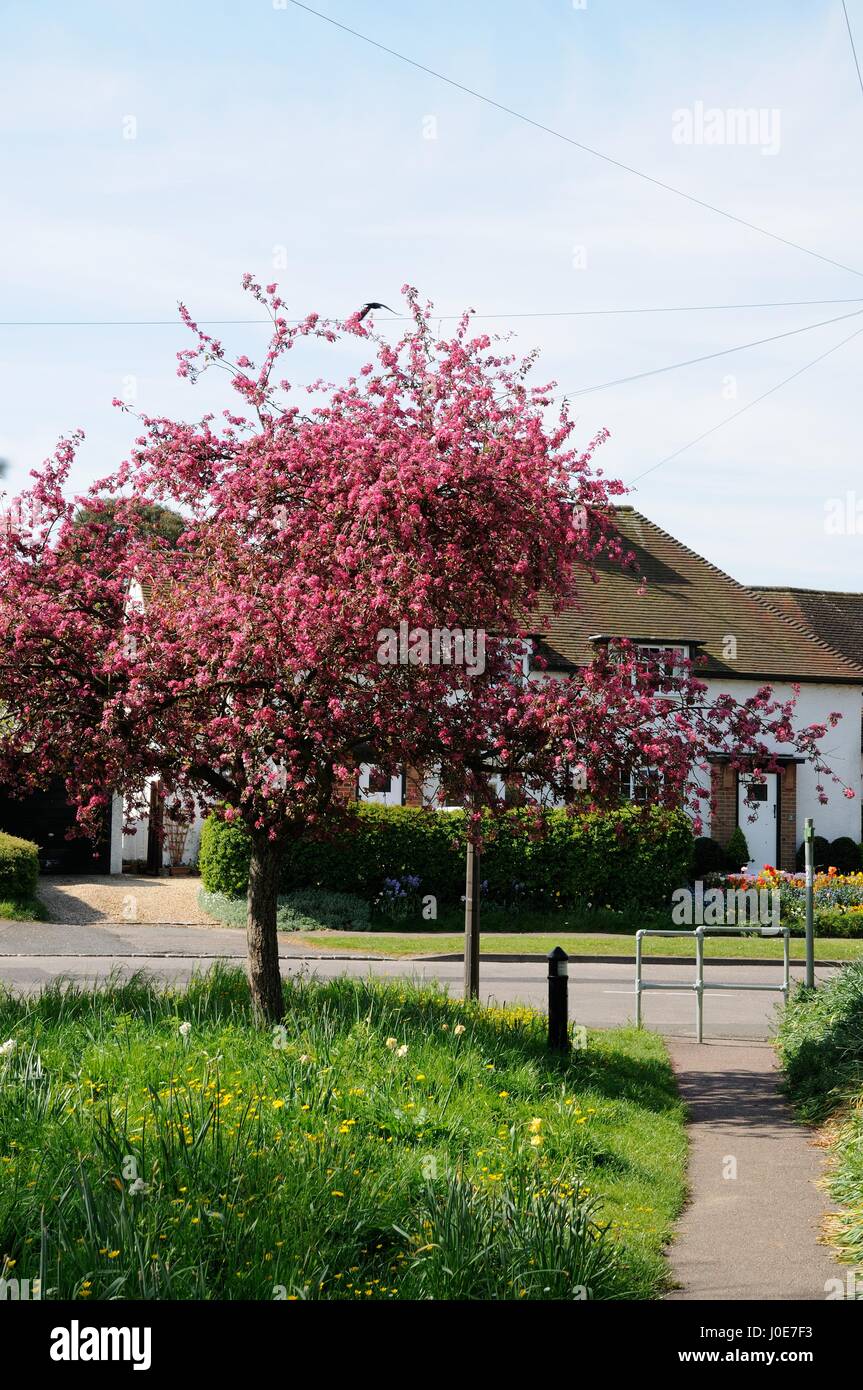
558 1004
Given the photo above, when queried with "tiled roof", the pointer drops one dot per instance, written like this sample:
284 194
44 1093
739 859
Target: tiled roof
836 618
687 599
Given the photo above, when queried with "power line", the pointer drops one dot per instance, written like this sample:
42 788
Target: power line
853 45
742 411
707 357
577 144
444 318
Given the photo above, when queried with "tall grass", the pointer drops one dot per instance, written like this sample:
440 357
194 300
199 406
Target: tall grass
820 1044
155 1144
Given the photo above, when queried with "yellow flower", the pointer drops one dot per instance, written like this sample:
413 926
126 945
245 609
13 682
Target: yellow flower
459 1029
337 1194
535 1125
421 1076
392 1042
536 1141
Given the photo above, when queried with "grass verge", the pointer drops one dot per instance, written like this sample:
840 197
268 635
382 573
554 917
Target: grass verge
820 1045
388 1142
405 944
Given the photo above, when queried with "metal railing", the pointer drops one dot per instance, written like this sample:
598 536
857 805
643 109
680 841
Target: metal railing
698 936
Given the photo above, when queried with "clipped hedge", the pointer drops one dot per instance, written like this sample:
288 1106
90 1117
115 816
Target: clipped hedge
624 857
820 852
845 855
19 868
224 855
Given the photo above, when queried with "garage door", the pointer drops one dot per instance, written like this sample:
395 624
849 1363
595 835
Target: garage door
45 817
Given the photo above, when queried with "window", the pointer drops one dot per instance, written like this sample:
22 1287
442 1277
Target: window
663 655
380 782
641 786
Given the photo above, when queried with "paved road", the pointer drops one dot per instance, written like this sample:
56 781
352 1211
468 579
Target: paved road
601 994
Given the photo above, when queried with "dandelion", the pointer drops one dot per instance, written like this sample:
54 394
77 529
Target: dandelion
459 1029
185 1030
391 1043
402 1051
8 1047
278 1104
535 1125
537 1141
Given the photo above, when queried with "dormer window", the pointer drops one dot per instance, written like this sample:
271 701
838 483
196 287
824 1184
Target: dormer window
668 656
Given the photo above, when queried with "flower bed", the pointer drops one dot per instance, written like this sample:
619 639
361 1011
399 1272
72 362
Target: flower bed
838 898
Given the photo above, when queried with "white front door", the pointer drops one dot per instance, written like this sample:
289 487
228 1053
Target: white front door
761 832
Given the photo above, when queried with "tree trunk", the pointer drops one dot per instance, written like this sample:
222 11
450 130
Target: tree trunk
265 980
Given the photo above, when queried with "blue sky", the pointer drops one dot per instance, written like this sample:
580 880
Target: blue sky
264 132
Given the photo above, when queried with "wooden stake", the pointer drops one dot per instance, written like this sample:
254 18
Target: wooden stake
471 922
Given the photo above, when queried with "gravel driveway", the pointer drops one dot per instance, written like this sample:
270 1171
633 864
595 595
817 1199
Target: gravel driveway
130 898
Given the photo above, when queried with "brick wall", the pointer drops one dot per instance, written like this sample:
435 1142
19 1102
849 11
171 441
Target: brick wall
723 797
413 787
788 816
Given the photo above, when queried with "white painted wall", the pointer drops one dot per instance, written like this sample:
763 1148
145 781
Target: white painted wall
841 749
134 845
391 798
116 866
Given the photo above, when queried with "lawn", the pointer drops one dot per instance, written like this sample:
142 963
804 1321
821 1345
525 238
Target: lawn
574 943
820 1045
388 1142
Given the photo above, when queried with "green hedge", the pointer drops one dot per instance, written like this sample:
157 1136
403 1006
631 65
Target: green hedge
618 858
19 868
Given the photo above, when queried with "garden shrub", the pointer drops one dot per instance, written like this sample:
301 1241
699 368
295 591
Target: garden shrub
626 857
820 850
737 850
844 855
19 868
834 921
708 857
308 910
224 856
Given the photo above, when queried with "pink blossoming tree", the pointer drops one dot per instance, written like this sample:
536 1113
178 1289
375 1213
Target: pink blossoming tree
429 488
